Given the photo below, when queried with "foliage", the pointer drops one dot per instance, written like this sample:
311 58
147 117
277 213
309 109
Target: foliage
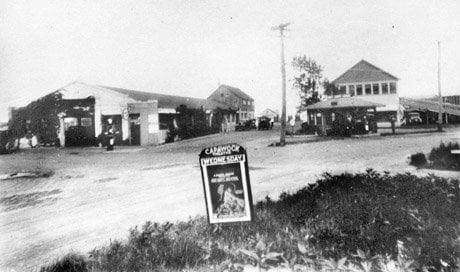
41 117
373 212
442 158
194 123
308 80
330 89
69 263
362 222
307 128
418 159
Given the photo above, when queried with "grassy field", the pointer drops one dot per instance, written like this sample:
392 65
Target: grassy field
93 196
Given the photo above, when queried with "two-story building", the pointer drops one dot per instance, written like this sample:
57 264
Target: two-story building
368 82
234 98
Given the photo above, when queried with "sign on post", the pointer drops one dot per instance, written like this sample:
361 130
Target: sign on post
224 170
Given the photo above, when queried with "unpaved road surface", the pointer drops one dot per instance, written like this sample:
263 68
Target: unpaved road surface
94 196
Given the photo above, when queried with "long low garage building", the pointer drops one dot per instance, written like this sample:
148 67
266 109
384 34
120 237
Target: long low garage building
78 114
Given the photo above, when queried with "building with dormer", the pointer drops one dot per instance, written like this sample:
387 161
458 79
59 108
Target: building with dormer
368 82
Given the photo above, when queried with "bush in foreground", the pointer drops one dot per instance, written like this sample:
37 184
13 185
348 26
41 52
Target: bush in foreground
418 160
69 263
441 157
362 222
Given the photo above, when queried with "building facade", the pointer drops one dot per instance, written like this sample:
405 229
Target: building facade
274 115
234 98
368 82
79 113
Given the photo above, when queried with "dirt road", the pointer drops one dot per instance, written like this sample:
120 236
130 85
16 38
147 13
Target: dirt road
94 196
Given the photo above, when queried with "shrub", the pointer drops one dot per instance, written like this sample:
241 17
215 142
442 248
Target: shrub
69 263
418 159
383 218
442 157
307 129
373 212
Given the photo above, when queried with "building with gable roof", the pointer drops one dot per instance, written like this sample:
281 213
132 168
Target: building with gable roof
237 99
368 82
140 118
272 114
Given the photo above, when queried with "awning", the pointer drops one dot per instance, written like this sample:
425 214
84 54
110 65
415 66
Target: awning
410 104
343 102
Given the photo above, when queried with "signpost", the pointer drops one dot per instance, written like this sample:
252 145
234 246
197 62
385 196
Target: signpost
227 190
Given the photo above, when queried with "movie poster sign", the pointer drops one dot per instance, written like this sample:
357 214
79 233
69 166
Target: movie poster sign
224 170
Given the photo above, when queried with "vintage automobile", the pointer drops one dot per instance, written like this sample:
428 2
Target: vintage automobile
264 123
247 125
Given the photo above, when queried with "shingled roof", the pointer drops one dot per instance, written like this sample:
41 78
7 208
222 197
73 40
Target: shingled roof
235 91
164 100
363 71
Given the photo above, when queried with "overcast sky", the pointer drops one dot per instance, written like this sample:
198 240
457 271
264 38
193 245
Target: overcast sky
189 47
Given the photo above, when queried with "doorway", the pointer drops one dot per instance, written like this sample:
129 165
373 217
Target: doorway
135 129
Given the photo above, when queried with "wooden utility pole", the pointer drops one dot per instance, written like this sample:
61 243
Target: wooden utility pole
281 28
439 88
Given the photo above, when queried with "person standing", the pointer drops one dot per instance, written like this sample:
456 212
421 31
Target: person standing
110 134
292 123
393 127
224 124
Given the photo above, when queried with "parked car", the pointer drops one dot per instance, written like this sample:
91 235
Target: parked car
412 118
247 125
264 123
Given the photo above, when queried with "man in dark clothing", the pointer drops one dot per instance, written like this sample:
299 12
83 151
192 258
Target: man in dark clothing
110 134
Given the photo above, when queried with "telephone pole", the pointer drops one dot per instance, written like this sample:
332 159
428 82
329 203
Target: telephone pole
439 88
282 28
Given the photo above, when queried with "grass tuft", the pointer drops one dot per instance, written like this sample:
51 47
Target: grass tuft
350 222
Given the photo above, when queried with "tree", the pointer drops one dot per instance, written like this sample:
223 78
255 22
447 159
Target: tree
308 80
330 89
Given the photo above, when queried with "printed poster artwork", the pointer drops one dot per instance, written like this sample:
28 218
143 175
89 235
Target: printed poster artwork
226 184
226 188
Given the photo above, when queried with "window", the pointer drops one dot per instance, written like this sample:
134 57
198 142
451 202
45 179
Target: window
359 90
70 122
343 89
86 122
351 89
367 88
384 88
375 88
392 87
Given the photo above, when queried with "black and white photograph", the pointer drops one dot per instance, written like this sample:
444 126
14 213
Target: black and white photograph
226 184
229 136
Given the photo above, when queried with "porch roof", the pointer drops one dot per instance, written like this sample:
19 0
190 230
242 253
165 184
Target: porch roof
343 102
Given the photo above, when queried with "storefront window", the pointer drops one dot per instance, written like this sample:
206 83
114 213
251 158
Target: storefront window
359 90
375 88
384 88
351 90
392 87
70 122
367 87
86 122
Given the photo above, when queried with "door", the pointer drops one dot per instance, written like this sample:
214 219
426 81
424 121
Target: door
135 129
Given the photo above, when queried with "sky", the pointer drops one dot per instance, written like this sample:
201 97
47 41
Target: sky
190 47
